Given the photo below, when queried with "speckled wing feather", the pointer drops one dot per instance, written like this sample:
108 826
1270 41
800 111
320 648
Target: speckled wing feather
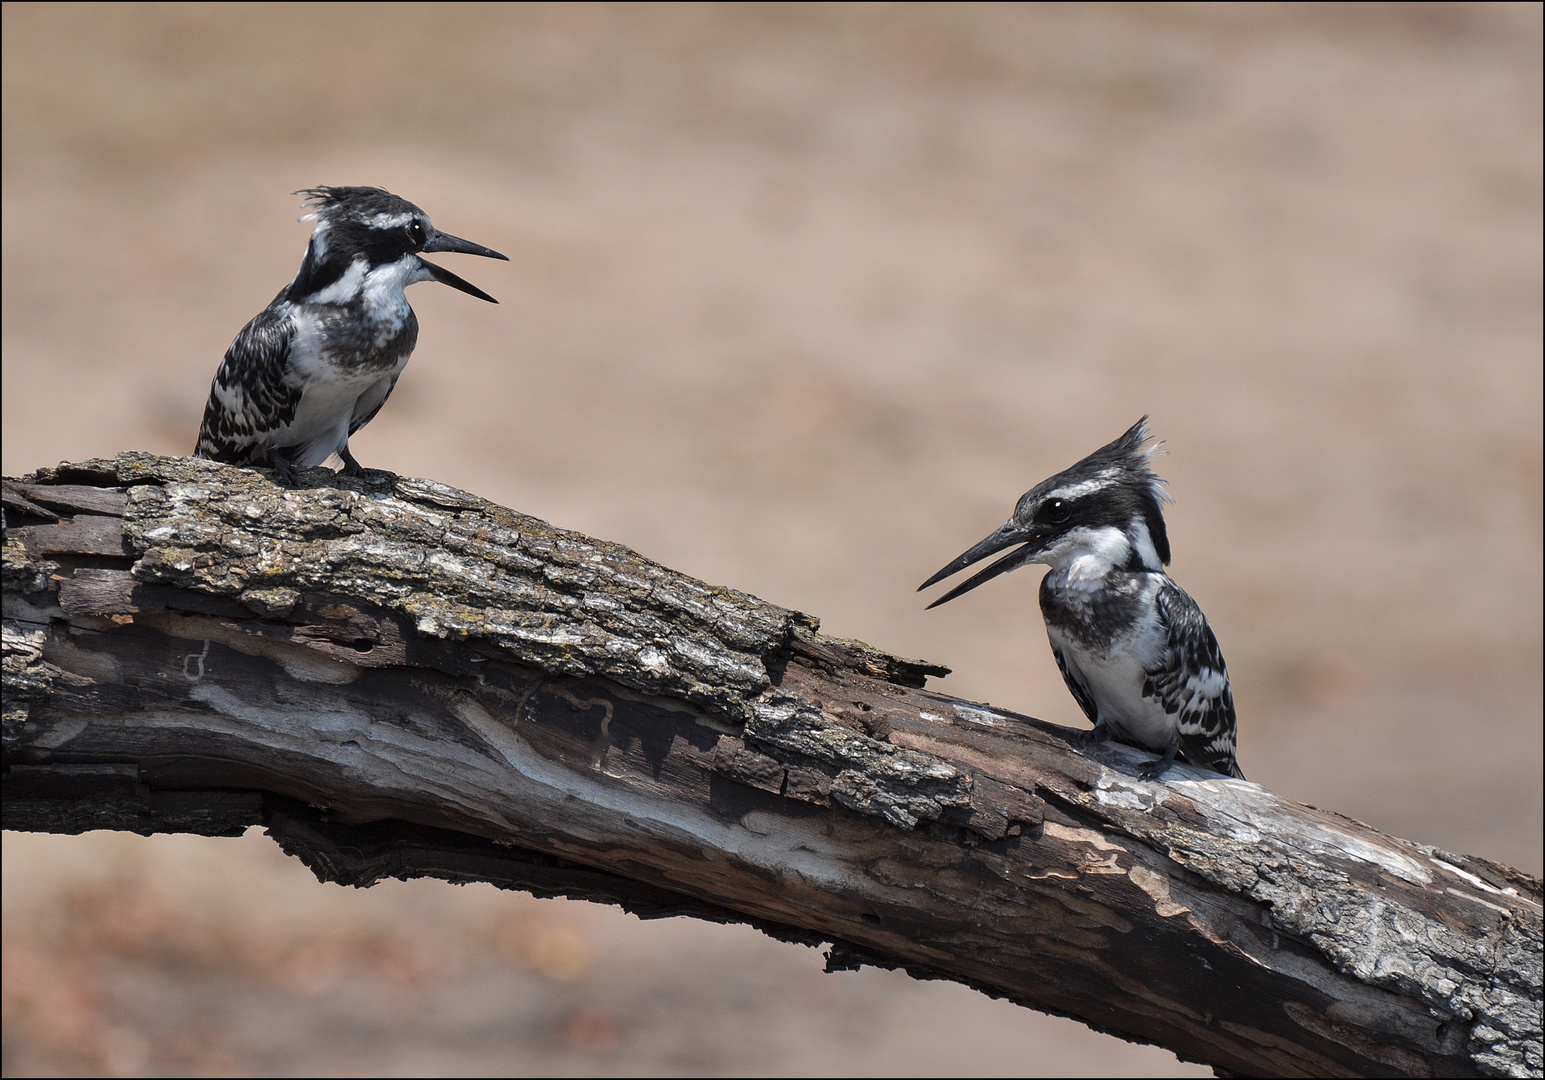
1192 684
253 395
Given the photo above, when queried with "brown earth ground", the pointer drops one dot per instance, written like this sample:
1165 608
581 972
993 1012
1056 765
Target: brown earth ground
800 300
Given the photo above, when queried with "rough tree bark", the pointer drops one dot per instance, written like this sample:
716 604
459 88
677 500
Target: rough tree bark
399 679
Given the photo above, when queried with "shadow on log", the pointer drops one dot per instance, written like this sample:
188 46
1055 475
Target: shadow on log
399 679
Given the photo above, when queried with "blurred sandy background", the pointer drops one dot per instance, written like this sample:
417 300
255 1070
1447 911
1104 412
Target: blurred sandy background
801 300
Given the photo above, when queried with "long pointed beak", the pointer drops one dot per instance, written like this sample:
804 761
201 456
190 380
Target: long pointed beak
445 277
446 242
1007 536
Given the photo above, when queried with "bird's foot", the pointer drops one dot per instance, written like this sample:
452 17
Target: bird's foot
351 467
284 470
1154 769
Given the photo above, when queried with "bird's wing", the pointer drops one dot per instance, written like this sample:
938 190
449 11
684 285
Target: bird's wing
252 396
1075 680
1190 682
370 403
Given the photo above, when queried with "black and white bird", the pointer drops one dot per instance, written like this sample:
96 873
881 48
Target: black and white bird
318 363
1133 647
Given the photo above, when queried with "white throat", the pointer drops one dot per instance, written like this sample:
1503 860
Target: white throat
385 284
1085 555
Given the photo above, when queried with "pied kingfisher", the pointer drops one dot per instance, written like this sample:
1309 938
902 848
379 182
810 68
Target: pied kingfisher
1133 647
318 363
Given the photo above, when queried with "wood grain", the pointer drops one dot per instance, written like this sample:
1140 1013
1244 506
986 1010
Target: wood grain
399 679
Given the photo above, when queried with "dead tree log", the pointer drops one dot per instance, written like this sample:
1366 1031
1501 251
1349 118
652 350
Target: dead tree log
399 679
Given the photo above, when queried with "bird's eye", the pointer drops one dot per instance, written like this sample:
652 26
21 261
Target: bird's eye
1054 511
416 231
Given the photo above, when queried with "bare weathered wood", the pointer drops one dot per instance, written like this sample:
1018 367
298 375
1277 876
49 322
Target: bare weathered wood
400 679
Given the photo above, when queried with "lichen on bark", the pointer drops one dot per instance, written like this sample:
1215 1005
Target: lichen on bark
459 567
873 777
1366 954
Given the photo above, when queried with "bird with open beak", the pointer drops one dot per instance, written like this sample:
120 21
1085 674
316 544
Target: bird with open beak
318 363
1132 646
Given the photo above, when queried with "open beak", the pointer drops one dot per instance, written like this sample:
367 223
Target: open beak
1006 536
446 242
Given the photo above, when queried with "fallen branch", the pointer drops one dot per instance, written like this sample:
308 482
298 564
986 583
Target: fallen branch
399 679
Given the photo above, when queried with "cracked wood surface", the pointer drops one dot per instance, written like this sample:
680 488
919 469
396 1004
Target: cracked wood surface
401 679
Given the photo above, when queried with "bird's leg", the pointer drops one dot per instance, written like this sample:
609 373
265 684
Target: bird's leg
354 468
1093 737
284 470
1155 769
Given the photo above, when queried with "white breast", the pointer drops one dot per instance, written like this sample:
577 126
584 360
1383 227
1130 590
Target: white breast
1114 677
329 396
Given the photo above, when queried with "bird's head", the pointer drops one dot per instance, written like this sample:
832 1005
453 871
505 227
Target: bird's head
1104 512
361 231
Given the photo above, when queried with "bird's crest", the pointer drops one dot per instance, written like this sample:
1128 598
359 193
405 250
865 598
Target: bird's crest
358 202
1128 452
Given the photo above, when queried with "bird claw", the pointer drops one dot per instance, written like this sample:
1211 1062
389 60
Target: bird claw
366 476
284 472
1152 770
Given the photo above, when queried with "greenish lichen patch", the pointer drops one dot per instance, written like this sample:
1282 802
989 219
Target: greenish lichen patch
271 602
25 572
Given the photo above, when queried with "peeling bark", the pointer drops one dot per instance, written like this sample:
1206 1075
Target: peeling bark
399 679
